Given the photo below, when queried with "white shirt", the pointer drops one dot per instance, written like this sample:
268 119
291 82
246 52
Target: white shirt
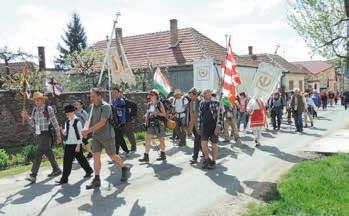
72 140
179 104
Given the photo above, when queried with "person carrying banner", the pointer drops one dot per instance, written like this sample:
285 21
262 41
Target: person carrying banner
155 118
257 111
42 115
180 104
103 136
210 120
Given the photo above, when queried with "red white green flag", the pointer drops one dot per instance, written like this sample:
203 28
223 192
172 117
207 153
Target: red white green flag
231 77
161 83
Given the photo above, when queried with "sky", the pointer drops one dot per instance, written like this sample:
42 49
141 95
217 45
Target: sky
27 24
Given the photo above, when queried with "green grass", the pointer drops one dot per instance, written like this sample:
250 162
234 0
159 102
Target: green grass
318 187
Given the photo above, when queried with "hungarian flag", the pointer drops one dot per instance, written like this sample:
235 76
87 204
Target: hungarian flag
231 77
161 83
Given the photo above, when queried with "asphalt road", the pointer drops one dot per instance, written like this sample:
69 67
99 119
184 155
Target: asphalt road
174 187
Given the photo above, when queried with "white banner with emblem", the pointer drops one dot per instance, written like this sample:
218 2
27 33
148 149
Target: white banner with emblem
206 74
266 80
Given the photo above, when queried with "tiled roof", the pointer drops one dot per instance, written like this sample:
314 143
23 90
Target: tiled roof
154 48
17 67
276 60
314 67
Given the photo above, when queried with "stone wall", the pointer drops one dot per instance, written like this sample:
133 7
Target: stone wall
13 133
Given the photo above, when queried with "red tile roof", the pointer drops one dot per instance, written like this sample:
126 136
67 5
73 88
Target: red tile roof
315 67
276 60
154 48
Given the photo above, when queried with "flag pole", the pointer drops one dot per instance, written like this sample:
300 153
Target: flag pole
106 58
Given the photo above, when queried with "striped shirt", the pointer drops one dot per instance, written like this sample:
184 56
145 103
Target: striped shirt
39 117
214 107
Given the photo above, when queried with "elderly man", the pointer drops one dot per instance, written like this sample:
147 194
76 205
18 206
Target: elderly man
103 136
40 120
180 104
298 106
210 121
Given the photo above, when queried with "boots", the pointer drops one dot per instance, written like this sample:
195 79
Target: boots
145 158
125 173
162 156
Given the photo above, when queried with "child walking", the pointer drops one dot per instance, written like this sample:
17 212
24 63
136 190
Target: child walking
73 140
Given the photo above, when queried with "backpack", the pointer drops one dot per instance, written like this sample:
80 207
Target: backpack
113 119
131 109
167 105
158 105
75 126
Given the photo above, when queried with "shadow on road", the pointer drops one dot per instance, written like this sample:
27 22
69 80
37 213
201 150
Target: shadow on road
165 171
279 154
230 183
245 148
137 210
174 150
104 205
264 191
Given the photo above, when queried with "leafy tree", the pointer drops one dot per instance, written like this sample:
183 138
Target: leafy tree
323 25
75 40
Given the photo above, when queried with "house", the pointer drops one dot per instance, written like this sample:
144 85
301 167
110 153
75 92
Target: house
176 50
293 76
322 75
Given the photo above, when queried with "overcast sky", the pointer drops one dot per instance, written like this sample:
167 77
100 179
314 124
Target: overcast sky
27 24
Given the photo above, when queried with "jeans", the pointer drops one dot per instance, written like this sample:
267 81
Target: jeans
276 117
242 119
119 140
298 122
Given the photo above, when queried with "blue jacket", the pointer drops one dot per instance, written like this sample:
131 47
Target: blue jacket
119 105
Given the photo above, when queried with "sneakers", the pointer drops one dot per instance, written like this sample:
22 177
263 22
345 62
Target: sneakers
31 179
88 174
96 183
205 164
145 158
162 156
125 173
61 182
212 164
54 173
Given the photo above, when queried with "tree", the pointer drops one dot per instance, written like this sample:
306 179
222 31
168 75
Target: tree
8 79
75 40
324 25
84 63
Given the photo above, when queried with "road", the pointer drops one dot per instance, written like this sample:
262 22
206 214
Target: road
242 175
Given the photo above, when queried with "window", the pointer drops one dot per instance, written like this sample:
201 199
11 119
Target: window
315 86
290 85
301 85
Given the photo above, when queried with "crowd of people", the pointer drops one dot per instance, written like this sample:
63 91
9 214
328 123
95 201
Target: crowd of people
196 115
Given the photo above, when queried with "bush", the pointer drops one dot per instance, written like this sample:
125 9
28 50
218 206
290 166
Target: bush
4 159
17 159
140 135
28 153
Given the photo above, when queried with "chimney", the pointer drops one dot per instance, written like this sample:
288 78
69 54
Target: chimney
42 61
118 32
174 33
250 50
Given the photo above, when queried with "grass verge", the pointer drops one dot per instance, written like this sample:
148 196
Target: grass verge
318 187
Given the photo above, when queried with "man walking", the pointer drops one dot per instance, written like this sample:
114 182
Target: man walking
210 121
118 104
180 104
276 106
103 137
40 119
298 106
131 113
230 121
193 111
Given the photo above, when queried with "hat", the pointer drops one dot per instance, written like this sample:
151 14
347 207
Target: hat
154 91
193 91
39 95
178 92
69 108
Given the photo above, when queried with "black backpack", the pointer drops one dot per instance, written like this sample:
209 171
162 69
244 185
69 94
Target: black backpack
113 119
131 109
75 126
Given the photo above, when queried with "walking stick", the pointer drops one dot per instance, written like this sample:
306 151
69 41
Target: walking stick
24 85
